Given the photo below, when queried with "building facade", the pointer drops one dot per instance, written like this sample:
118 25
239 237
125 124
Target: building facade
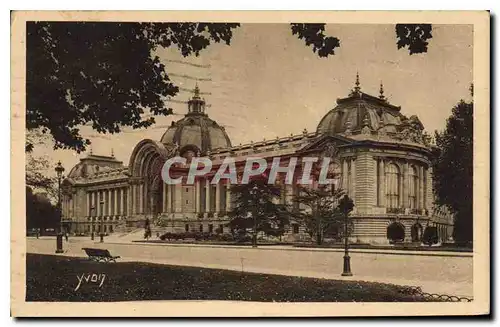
382 157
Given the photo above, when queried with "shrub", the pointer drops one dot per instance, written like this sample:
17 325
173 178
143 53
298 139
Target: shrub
430 236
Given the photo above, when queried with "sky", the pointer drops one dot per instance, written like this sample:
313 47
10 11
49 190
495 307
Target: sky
267 83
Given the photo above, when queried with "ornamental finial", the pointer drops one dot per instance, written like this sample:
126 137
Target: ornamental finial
196 91
381 96
357 88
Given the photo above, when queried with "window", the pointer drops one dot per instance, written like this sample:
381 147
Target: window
392 177
295 228
201 228
210 228
186 227
412 187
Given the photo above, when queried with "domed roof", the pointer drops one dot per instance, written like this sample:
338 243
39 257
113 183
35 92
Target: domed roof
196 130
359 110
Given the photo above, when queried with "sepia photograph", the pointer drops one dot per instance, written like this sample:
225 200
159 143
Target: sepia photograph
205 161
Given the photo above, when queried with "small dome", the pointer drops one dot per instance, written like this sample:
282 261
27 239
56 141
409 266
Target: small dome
359 110
196 130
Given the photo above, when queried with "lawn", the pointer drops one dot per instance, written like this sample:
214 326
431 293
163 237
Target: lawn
56 278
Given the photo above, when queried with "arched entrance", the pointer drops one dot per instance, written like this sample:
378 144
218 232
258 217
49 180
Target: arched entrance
145 166
396 232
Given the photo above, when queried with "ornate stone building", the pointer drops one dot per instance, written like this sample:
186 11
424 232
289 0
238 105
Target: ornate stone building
383 158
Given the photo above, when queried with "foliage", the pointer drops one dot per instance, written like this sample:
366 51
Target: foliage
36 167
413 36
255 205
320 213
430 236
313 35
453 169
103 74
40 213
396 232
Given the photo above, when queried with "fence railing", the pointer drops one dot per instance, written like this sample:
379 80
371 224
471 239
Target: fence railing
416 290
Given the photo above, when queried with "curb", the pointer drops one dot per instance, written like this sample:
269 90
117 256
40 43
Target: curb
273 248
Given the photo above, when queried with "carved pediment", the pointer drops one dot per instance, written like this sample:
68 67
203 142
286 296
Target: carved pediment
327 144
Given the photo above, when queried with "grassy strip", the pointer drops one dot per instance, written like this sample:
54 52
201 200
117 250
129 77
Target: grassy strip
54 278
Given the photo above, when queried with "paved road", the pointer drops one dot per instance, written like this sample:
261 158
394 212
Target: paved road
450 275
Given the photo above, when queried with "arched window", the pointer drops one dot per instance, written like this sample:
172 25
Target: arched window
392 176
412 187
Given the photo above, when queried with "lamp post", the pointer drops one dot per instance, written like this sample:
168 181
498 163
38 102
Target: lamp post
102 222
59 238
92 212
346 206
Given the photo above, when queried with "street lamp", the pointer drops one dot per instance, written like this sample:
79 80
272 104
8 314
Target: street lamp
102 222
59 238
346 205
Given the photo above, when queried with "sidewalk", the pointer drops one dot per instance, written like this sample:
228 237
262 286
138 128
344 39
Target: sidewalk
293 248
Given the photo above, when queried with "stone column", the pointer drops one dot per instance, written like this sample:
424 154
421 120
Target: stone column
92 204
98 203
169 198
178 198
207 196
115 197
141 198
198 195
109 204
421 187
88 204
217 197
381 168
345 175
131 200
403 199
353 180
164 197
228 197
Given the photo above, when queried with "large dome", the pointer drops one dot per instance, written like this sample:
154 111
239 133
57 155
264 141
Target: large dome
359 110
196 130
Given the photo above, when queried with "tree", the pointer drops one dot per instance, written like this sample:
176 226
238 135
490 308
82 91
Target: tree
40 212
36 167
103 74
255 209
321 214
453 169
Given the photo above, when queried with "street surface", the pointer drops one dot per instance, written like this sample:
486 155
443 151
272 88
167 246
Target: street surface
450 274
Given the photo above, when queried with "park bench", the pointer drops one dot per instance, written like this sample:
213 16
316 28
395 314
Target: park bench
99 255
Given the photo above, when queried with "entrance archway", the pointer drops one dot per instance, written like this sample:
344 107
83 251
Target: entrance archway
396 232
